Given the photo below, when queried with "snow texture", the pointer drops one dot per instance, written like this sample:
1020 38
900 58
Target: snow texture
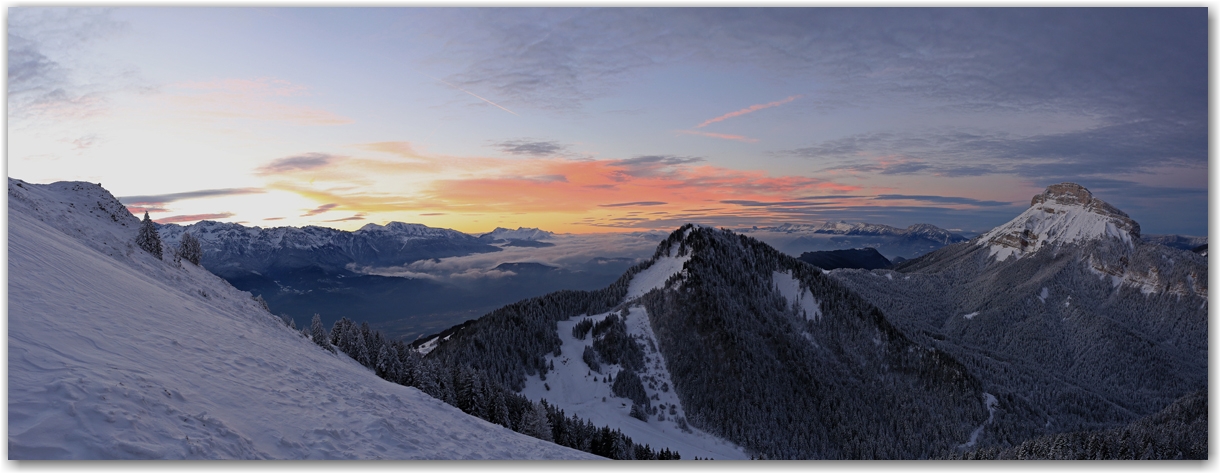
991 402
116 355
656 275
791 289
970 315
521 233
578 390
1051 224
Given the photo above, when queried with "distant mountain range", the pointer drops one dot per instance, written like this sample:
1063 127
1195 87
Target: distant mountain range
891 242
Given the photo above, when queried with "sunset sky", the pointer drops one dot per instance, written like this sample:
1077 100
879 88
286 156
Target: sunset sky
587 120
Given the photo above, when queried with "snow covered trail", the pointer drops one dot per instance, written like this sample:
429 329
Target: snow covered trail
126 357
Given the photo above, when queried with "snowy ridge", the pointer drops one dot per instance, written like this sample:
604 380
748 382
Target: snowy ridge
1064 213
798 297
578 390
656 275
521 233
115 354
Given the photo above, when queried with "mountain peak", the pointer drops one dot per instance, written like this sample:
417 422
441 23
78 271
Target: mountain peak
521 233
1063 213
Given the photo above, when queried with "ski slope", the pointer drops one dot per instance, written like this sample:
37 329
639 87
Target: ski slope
116 355
578 390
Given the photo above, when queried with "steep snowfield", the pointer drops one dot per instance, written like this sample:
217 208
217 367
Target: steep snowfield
791 289
578 390
1067 224
655 276
1063 213
113 354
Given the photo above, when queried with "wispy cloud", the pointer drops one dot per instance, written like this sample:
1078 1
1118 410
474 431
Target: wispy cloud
321 209
167 198
477 96
358 216
634 204
530 147
748 110
944 200
256 99
194 218
47 78
302 162
723 136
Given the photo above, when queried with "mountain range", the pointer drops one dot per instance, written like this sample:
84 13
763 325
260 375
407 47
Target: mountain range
891 242
1063 326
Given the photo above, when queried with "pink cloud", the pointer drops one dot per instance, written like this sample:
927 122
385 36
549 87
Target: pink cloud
723 136
747 110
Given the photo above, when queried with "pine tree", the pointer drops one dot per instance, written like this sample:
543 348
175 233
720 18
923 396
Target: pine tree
536 423
190 249
148 239
318 333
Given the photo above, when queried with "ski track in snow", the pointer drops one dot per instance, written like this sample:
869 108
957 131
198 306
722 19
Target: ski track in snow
115 356
576 389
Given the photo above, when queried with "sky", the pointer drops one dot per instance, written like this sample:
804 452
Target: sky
610 120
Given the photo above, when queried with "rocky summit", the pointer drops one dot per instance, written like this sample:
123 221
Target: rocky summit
1063 213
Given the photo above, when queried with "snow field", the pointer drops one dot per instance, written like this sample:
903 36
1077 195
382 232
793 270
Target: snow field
576 389
117 355
791 289
1054 224
655 276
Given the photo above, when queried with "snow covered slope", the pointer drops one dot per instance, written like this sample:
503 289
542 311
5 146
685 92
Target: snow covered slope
114 354
1063 213
578 390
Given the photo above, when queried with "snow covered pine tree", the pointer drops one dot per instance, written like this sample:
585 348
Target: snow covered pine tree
318 333
190 249
148 239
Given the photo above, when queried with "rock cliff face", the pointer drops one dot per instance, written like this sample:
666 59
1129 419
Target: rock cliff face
1063 213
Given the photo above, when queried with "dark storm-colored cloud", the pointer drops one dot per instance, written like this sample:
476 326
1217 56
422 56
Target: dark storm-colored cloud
302 162
530 148
167 198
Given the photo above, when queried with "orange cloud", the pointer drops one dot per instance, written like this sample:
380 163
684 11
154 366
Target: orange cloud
546 188
747 110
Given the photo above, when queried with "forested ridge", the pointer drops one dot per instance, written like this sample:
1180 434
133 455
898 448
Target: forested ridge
475 393
750 368
1085 336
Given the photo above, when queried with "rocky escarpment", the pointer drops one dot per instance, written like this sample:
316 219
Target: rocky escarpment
1063 213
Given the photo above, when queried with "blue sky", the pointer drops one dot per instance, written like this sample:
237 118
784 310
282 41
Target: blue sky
587 120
